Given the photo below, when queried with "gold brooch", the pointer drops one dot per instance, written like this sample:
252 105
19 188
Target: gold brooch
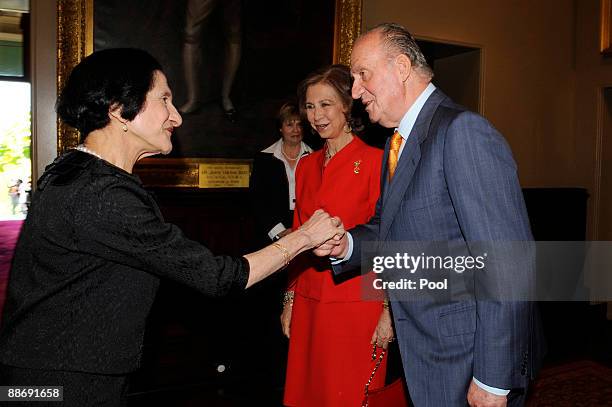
356 168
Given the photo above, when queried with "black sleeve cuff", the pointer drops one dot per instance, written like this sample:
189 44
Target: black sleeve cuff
243 277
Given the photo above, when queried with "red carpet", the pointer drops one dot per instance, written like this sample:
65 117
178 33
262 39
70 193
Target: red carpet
578 384
9 231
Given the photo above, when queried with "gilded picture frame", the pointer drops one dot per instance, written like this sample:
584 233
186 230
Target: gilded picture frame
605 34
75 40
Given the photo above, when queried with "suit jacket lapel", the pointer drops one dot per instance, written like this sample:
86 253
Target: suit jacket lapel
397 187
384 177
395 190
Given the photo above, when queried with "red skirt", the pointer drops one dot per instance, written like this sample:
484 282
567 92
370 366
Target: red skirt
330 355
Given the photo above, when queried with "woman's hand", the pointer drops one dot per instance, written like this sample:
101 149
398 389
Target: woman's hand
335 247
318 229
321 227
285 318
285 232
383 334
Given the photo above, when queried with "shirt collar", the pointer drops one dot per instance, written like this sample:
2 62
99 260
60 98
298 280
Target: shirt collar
409 119
276 149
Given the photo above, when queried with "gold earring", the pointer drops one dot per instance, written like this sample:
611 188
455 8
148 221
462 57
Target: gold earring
124 127
347 128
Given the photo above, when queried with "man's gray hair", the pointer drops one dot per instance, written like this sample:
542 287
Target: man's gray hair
397 40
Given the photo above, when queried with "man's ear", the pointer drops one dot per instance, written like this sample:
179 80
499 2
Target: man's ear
404 67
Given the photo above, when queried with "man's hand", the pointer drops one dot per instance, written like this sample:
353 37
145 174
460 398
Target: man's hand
337 247
478 397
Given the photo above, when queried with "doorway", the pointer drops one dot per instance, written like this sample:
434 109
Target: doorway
15 129
604 204
15 110
457 71
604 224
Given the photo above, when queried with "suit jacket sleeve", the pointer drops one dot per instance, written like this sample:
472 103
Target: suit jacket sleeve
483 185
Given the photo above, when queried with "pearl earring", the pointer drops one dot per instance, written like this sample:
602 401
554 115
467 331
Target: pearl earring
124 127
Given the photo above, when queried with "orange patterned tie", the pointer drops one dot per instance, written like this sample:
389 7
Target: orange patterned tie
396 143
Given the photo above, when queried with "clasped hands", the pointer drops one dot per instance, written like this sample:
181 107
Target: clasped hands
327 234
322 228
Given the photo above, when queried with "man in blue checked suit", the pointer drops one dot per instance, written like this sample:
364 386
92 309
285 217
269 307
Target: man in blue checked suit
448 175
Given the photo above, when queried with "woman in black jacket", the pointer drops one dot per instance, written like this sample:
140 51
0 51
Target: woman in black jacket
94 245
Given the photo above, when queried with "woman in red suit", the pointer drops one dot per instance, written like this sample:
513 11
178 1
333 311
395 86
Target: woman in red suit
330 327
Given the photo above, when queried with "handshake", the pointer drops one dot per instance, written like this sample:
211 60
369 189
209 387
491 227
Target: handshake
326 234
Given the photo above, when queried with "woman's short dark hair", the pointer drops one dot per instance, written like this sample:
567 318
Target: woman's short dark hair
105 79
339 78
286 112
